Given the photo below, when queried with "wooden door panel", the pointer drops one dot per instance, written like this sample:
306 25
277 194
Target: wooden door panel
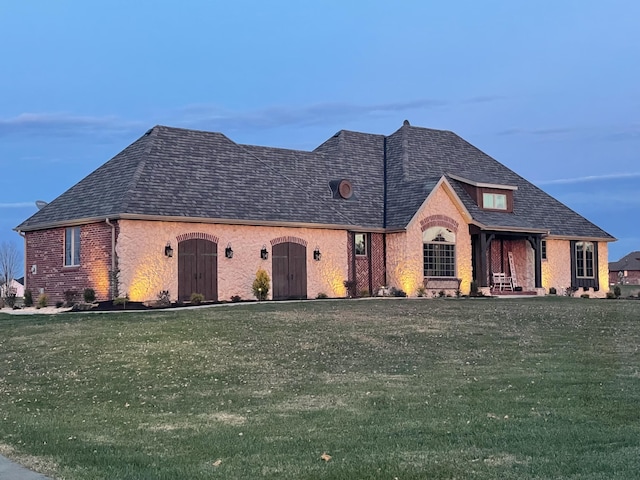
187 261
297 271
280 271
197 269
289 271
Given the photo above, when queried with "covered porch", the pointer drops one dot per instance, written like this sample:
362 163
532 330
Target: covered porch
507 262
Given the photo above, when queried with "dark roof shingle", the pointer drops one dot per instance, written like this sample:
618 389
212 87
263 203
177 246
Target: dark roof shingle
178 173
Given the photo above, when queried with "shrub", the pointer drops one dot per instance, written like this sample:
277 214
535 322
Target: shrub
260 285
10 300
43 299
28 298
121 301
421 291
584 295
616 291
321 296
236 298
70 297
611 296
552 291
396 292
196 298
458 293
164 299
569 291
350 285
59 304
364 292
89 295
442 294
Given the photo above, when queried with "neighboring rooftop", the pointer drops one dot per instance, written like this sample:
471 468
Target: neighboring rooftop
193 175
631 261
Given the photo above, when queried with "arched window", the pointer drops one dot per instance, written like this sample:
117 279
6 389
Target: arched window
439 247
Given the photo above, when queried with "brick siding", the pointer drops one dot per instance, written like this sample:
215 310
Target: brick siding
45 250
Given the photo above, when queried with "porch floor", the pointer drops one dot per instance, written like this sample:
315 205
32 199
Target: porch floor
508 293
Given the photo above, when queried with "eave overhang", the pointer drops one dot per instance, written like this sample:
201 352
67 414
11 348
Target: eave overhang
220 221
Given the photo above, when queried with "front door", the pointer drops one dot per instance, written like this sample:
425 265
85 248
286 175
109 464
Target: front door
289 261
197 269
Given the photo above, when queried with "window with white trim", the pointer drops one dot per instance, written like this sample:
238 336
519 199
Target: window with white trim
439 252
72 247
494 201
584 260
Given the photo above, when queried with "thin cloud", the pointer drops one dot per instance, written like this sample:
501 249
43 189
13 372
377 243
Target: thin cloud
590 178
63 124
279 116
540 131
600 200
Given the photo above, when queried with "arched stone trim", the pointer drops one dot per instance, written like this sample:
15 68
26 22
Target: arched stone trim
204 236
297 240
439 221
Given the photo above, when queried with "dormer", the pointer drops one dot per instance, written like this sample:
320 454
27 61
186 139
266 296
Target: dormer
492 197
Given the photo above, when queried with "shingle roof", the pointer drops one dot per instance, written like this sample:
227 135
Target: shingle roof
178 173
630 261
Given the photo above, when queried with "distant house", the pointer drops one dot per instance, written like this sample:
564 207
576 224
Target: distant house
191 211
15 288
626 270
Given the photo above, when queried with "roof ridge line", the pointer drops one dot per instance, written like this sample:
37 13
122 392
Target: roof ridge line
136 176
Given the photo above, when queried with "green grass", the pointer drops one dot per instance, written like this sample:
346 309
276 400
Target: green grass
393 388
629 290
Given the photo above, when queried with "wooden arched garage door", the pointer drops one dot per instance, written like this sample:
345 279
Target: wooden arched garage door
289 262
197 269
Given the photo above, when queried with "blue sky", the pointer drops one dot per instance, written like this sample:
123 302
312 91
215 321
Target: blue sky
549 88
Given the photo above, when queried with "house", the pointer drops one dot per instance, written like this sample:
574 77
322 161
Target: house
191 211
626 270
15 288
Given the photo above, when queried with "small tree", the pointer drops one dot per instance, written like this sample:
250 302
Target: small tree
261 284
9 267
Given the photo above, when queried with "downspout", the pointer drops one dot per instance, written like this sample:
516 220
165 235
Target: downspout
24 257
113 256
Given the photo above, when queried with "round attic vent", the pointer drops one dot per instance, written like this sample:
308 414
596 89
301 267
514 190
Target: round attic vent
345 189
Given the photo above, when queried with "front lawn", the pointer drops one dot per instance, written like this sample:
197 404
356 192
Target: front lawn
387 388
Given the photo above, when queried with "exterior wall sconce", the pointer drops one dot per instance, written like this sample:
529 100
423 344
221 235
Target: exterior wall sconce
264 254
228 252
317 255
168 251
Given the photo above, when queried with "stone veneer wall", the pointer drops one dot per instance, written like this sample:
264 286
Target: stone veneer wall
556 269
405 264
145 270
45 250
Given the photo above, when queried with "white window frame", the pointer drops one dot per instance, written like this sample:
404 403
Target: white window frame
448 241
588 262
72 253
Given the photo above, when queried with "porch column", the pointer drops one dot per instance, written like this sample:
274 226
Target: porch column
485 241
536 244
